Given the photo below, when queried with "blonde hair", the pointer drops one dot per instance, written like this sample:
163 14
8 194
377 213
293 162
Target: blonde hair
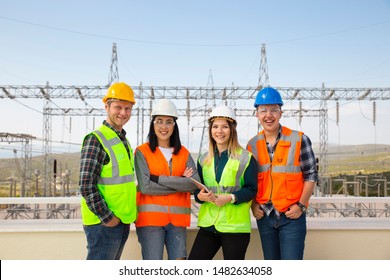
233 146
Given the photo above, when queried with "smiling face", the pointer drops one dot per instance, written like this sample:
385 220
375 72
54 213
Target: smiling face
220 132
269 116
163 128
118 113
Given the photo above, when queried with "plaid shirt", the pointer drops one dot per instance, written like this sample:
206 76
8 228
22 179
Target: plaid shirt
307 162
93 157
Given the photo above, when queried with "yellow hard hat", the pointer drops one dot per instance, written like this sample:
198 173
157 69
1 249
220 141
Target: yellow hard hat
120 91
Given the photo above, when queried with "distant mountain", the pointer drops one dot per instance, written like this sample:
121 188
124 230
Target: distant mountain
355 159
346 159
66 161
353 150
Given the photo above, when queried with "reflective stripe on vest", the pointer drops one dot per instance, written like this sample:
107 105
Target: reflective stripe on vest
116 184
160 210
233 218
289 167
243 162
163 209
283 170
116 178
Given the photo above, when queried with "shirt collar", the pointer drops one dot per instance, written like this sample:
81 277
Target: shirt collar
121 133
223 154
279 132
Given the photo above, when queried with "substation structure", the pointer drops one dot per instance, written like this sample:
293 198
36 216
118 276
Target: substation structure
184 96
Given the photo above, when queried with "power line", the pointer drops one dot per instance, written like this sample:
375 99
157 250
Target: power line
192 44
329 33
31 108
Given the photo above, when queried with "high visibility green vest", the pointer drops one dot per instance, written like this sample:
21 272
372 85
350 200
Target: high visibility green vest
233 218
116 183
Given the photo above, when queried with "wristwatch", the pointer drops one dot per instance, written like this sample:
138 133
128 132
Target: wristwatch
233 198
302 206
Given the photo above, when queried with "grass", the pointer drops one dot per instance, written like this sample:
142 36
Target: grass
342 161
360 164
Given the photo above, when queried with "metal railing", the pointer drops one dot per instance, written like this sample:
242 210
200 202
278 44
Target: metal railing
69 207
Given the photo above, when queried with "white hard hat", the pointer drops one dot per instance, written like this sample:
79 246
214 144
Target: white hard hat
165 107
223 111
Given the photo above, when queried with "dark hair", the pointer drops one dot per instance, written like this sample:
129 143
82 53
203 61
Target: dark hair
174 140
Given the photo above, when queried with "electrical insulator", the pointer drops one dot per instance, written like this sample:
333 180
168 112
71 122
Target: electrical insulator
55 168
337 112
373 112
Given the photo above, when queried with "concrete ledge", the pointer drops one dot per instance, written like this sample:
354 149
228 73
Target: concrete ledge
75 225
334 238
56 240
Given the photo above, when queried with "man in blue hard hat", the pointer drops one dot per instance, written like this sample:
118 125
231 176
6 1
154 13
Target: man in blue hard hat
287 175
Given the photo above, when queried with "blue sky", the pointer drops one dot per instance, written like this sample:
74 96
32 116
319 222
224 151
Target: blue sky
338 43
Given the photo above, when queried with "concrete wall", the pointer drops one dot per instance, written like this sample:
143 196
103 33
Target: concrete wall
65 240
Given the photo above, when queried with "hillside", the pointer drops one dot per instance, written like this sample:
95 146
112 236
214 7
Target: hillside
67 161
354 159
342 160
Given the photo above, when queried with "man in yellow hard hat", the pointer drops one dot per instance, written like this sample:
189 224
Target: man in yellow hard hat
107 184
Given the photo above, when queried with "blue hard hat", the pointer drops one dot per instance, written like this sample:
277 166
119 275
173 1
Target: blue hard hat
268 96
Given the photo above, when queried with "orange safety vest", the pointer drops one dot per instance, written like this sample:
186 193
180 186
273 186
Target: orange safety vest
279 181
160 210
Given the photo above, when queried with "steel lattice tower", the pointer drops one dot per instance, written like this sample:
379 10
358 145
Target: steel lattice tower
140 117
47 141
263 75
145 93
114 74
203 147
210 94
26 155
323 156
263 70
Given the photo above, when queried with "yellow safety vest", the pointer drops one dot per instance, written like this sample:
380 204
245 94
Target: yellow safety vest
116 183
233 218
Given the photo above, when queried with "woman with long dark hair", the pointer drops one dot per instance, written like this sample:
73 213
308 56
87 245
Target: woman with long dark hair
162 166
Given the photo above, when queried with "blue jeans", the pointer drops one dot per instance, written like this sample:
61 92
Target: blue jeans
153 239
106 243
282 238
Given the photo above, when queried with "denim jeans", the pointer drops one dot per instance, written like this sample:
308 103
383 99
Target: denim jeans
282 238
153 239
106 243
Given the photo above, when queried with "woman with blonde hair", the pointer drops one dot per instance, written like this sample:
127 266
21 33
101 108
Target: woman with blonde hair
230 174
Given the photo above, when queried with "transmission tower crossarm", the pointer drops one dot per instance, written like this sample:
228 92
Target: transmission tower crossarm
196 93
